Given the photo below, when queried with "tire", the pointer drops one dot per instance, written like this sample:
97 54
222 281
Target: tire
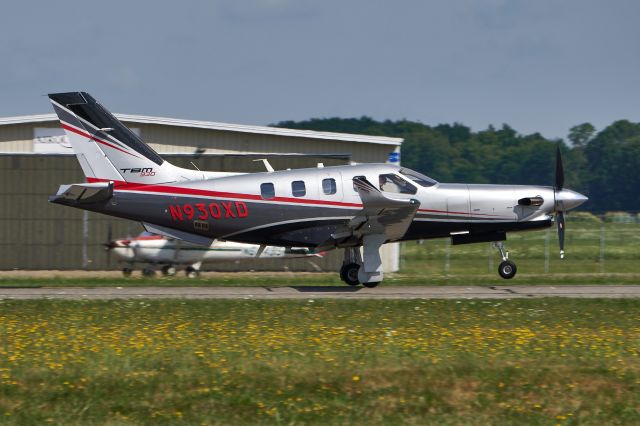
127 272
507 269
349 273
371 284
169 270
192 272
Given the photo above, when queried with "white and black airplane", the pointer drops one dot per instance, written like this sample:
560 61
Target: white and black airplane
157 250
349 206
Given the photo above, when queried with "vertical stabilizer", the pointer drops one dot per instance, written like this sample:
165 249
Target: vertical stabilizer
106 148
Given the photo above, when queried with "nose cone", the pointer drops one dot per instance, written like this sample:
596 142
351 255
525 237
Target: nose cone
567 199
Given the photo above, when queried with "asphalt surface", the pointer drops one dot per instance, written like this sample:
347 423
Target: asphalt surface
317 292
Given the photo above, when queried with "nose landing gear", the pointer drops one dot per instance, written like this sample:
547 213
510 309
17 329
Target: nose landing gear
507 269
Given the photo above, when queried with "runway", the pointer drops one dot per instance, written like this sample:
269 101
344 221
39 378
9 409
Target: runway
329 292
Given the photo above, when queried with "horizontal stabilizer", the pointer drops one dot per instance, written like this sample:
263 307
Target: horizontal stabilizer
180 235
83 193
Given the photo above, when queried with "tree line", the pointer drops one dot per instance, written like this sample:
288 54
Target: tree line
604 165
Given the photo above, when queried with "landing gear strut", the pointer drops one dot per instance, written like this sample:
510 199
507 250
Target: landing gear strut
507 269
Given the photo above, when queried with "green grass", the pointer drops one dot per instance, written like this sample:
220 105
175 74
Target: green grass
620 253
540 362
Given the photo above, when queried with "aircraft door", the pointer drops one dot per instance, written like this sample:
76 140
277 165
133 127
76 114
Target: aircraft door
349 190
458 203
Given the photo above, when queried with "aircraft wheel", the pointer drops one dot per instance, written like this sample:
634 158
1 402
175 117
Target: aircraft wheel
192 272
148 272
127 272
371 285
507 269
349 273
169 270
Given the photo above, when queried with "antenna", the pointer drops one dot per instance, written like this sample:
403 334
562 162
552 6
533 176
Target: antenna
266 164
194 165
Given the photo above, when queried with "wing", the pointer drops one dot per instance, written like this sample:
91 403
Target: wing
380 215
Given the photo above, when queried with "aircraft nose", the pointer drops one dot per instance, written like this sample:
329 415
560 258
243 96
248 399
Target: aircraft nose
567 199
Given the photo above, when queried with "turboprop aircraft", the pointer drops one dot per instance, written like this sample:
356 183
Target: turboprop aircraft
152 249
323 208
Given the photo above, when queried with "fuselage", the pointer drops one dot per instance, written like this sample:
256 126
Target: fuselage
303 207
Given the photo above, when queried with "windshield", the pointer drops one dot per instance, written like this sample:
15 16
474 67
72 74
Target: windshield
418 178
394 183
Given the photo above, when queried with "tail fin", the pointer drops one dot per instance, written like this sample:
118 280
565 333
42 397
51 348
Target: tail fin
106 148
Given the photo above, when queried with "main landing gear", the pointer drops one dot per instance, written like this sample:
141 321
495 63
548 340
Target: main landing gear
349 273
507 269
192 271
168 270
353 270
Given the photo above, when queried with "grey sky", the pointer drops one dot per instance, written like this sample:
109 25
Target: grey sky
538 65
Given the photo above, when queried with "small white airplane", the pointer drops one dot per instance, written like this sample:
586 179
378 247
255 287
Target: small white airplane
155 250
324 208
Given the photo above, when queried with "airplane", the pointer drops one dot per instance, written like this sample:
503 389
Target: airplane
355 207
155 249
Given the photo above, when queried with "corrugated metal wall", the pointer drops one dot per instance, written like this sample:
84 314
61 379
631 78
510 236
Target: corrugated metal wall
169 139
18 137
35 234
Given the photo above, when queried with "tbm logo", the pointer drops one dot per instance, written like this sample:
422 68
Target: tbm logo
144 171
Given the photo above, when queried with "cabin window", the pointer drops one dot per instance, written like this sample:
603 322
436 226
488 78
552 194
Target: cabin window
298 189
267 191
394 183
329 186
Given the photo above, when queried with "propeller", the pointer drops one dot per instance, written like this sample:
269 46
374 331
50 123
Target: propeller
559 184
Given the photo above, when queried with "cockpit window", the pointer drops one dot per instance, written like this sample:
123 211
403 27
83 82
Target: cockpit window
394 183
418 178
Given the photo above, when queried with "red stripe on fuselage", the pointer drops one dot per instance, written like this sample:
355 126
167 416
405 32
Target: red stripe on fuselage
153 188
100 141
126 186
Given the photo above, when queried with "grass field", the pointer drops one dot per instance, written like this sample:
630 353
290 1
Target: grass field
591 249
545 361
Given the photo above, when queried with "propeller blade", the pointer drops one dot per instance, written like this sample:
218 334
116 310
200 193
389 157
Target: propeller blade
108 243
560 221
559 171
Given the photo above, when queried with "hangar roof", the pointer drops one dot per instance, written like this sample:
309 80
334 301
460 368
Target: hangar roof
143 119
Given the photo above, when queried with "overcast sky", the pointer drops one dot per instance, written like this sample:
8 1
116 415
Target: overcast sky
538 65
